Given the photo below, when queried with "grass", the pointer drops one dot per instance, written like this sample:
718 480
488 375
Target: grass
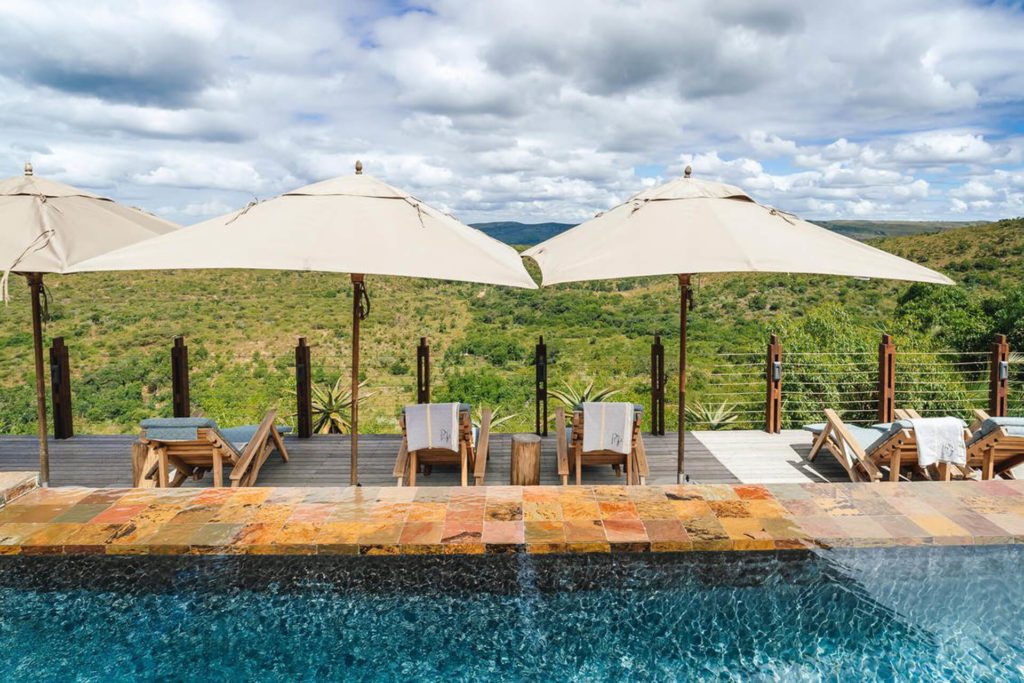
241 328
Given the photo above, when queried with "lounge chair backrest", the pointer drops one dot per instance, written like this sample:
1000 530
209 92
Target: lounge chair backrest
1013 425
433 425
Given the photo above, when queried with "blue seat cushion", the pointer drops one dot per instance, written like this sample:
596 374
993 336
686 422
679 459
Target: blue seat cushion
176 428
1014 427
187 429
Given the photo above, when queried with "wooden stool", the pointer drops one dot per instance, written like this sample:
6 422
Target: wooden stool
525 461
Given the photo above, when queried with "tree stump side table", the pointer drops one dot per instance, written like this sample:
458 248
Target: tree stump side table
525 460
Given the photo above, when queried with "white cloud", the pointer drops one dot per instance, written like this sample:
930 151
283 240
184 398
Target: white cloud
522 109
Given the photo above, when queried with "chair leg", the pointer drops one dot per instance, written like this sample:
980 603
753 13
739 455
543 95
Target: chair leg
464 457
218 468
578 452
894 466
412 468
988 467
162 470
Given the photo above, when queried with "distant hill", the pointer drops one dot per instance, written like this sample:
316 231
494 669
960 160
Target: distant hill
529 234
511 232
865 230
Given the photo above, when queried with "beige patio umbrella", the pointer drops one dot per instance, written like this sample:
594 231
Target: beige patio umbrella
352 224
689 226
47 227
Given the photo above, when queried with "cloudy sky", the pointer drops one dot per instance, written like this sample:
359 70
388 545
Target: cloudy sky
521 109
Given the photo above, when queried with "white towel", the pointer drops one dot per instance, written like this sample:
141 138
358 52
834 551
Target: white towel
432 425
940 439
608 427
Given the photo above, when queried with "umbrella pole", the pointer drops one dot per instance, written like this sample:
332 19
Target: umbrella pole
357 315
684 301
35 283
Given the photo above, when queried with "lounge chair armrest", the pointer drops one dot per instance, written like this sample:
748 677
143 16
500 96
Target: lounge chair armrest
402 461
561 445
641 456
846 440
480 468
254 447
979 417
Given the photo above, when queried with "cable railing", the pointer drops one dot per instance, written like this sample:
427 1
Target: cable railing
750 389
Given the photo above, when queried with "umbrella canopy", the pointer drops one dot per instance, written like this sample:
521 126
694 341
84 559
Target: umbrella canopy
353 224
48 227
689 226
699 226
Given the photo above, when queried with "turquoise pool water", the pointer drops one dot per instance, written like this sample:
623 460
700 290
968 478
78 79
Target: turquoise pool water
908 614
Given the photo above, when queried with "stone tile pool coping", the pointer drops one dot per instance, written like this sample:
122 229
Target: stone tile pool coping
504 519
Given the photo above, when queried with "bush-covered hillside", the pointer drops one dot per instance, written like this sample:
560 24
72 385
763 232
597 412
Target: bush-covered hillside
241 328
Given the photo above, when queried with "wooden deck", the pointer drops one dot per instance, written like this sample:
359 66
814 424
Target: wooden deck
711 457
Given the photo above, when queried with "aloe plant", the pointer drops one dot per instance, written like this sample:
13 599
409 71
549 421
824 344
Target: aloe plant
713 417
332 407
495 420
572 396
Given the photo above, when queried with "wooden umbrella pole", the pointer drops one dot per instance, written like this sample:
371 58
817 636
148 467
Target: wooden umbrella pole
684 304
35 283
357 315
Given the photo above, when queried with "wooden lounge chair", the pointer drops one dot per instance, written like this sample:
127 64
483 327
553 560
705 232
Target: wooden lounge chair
470 457
569 448
195 446
864 451
996 445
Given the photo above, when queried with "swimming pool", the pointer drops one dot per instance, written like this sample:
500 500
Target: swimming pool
897 613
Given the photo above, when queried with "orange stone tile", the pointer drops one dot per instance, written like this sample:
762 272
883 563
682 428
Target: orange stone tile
421 533
584 531
544 532
752 492
625 531
503 512
503 532
580 510
549 511
427 512
380 533
729 509
118 514
618 510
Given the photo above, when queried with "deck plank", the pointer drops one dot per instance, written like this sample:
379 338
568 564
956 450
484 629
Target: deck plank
726 457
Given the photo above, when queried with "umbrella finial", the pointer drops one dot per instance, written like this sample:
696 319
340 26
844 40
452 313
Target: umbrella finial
359 167
28 168
687 171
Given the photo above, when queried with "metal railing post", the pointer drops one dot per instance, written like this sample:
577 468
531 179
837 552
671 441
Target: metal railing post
886 379
773 379
60 384
179 378
423 371
658 379
999 376
303 390
540 364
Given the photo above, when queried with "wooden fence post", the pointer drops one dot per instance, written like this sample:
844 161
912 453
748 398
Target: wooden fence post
886 379
60 383
540 363
303 389
658 379
423 371
999 377
773 377
179 379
